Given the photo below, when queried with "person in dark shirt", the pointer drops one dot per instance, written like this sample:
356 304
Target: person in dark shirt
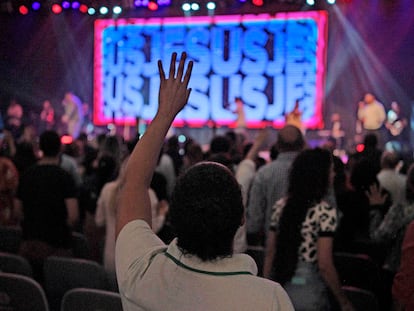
47 202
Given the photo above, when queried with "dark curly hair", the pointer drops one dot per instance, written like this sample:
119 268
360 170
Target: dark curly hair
308 184
206 210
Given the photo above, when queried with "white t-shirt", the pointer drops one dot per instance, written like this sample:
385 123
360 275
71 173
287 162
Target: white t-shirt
153 276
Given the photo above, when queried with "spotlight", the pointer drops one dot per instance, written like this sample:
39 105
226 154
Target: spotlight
83 8
36 5
195 6
211 5
153 6
103 10
91 11
164 2
310 2
56 8
65 5
257 2
331 1
75 5
186 7
117 9
23 10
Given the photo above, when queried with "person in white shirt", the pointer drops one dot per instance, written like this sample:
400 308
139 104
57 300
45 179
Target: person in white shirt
198 270
372 115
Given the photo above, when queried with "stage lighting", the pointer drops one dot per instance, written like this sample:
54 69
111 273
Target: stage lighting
83 8
186 7
65 5
103 10
56 8
195 6
152 5
117 9
257 2
23 10
331 1
91 11
310 2
211 5
75 5
36 5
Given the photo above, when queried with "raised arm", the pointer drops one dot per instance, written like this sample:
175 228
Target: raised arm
134 202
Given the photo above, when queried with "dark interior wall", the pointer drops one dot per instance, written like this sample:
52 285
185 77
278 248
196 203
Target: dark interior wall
370 49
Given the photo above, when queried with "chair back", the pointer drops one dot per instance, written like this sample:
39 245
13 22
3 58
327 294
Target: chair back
87 299
63 273
21 293
10 239
12 263
361 299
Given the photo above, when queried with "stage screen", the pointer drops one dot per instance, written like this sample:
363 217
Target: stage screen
270 61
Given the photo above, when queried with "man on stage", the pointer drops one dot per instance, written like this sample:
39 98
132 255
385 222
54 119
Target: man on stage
371 114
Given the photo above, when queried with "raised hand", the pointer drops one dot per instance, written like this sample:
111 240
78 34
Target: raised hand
174 91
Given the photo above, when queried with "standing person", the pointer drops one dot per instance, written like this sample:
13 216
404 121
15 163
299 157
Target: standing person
371 114
47 117
270 184
299 243
403 283
396 125
73 114
14 119
47 205
198 270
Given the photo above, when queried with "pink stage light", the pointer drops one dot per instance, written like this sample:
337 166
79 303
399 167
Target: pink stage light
56 8
153 6
23 10
83 8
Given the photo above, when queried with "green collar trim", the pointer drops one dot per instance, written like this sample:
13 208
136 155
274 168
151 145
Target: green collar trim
180 264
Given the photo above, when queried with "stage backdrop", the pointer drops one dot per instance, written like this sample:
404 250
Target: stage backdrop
269 61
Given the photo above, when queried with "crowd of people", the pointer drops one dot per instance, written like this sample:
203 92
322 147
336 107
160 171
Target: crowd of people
173 223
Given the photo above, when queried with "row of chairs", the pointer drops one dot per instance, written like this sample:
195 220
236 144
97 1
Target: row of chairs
61 274
22 293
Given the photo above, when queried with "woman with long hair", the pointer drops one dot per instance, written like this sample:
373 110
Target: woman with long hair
299 244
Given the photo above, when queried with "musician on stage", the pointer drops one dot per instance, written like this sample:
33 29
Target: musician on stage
73 115
395 125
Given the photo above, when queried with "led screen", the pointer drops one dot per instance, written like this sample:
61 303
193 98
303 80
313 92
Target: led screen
269 61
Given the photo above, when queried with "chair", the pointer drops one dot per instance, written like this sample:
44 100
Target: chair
80 246
361 299
63 273
86 299
12 263
21 293
358 270
10 239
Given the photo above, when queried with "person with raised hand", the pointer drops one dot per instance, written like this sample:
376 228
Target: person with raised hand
197 270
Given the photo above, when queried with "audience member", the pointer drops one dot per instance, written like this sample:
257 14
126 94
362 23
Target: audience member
9 180
403 283
299 243
270 183
48 206
388 230
389 177
198 270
